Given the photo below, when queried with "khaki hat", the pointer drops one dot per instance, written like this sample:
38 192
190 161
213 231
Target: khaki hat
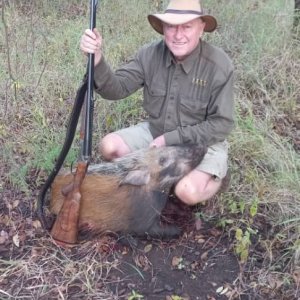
180 12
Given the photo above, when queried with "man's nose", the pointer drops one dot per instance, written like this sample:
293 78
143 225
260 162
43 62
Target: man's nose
179 32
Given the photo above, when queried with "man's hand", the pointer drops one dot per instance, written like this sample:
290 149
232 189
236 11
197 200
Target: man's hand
158 142
91 42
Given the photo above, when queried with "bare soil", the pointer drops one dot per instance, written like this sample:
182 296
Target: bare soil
193 267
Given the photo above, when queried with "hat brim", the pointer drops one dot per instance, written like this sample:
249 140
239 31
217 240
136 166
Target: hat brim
157 20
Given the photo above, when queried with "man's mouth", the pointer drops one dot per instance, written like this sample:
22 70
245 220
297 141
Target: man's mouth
179 43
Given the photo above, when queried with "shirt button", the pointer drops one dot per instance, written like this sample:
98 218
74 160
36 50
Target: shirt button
172 97
169 117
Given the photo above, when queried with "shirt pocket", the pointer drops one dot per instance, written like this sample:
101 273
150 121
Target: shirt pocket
192 111
154 98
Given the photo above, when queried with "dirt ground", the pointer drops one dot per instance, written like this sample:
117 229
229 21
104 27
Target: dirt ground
195 266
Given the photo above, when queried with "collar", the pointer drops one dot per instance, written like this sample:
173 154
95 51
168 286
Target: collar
188 62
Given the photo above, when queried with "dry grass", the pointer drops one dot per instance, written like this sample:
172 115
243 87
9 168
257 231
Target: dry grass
45 272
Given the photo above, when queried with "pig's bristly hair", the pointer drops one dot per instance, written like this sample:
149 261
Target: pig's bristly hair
119 166
166 164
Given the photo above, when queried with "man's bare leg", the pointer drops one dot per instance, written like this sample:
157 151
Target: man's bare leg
112 146
196 187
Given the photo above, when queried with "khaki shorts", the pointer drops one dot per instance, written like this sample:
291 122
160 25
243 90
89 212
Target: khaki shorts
215 161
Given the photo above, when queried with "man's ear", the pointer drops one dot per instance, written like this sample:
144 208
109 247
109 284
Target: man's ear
203 24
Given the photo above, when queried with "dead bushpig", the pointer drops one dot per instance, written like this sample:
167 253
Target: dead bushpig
128 194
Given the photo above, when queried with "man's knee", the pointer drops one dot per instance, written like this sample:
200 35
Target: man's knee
187 192
196 187
112 146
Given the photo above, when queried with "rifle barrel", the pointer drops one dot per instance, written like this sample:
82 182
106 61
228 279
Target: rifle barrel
88 124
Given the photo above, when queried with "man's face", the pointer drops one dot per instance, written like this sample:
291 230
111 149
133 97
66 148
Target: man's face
183 39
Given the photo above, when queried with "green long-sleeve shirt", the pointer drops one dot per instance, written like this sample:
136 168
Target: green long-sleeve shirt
187 102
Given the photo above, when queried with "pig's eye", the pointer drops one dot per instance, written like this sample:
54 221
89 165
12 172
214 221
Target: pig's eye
162 161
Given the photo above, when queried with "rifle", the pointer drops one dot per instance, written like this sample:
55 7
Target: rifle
65 228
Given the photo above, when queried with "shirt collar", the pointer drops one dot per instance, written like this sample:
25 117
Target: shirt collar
189 62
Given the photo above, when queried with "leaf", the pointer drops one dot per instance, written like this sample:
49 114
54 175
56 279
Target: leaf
175 297
16 240
198 224
134 295
148 248
253 209
3 237
35 251
15 204
36 224
239 234
199 236
201 241
176 261
244 255
204 256
214 232
275 282
224 291
296 276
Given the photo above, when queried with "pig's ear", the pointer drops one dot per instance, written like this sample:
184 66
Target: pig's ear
136 177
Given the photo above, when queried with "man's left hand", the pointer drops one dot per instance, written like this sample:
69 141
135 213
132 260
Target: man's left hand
158 142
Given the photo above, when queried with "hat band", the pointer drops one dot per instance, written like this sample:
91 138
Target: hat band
183 12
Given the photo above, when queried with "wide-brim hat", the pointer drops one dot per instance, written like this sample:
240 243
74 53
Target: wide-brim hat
182 11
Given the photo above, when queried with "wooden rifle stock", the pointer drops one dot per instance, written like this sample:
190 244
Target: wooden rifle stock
65 228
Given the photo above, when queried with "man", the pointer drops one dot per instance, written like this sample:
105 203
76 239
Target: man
188 94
